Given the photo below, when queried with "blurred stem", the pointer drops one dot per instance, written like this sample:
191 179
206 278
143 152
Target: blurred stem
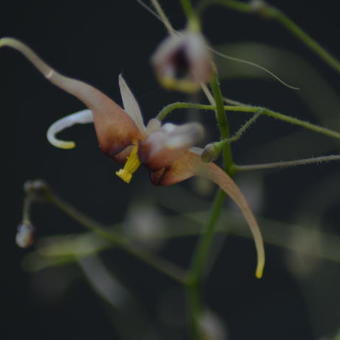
274 232
118 240
163 17
251 109
26 211
233 4
270 12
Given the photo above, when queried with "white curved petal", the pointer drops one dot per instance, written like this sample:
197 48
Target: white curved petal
152 126
81 117
130 104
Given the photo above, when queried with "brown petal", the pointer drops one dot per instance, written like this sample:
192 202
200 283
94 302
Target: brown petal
190 164
115 129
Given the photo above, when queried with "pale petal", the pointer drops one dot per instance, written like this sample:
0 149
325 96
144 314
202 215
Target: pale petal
81 117
130 104
183 61
152 126
162 147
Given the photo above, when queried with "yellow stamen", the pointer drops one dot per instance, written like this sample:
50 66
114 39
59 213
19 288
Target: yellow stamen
131 165
180 84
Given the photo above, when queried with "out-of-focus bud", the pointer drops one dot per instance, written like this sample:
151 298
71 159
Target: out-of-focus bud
261 8
144 224
211 152
212 327
183 61
37 187
25 235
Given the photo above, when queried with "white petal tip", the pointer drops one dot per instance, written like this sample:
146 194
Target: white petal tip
259 271
81 117
64 145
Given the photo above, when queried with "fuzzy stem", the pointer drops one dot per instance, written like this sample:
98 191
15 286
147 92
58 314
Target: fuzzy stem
252 109
287 164
270 12
238 134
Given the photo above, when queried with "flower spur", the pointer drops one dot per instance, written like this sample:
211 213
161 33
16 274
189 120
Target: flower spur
166 150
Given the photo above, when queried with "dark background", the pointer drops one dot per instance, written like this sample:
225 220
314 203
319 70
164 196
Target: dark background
95 41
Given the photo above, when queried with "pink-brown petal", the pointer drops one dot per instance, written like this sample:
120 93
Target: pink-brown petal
190 164
115 129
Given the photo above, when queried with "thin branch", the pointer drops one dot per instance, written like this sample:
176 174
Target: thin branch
252 109
270 12
287 164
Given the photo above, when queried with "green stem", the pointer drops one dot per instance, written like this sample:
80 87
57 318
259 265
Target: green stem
198 264
287 164
118 240
252 109
193 20
238 134
270 12
222 122
291 26
201 253
236 5
285 118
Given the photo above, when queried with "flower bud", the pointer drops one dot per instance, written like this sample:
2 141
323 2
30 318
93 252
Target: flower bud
183 61
25 235
211 152
212 327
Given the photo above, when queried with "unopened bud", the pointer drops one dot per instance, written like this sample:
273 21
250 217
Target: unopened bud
37 186
211 152
25 235
257 5
261 8
211 327
183 61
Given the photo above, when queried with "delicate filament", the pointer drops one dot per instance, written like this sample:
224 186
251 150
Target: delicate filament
131 165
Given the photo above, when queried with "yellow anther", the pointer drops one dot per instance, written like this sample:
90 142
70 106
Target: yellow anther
180 84
131 165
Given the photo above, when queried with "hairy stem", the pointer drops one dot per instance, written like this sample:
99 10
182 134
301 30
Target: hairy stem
270 12
287 164
252 109
238 134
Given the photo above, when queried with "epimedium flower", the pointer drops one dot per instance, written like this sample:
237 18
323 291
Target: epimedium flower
165 150
183 61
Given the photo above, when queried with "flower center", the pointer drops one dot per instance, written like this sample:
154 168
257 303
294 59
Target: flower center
132 164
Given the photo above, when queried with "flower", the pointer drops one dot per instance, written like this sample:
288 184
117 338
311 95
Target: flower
24 237
166 150
183 61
